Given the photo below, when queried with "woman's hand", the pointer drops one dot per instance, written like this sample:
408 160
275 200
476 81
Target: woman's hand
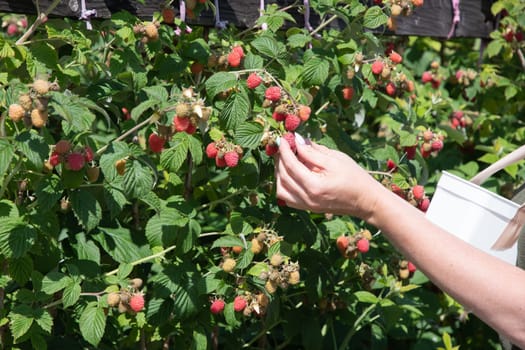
325 180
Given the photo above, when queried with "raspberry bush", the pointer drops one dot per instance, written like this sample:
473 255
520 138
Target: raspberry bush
137 199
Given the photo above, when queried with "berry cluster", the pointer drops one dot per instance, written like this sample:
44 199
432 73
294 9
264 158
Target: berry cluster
129 299
415 195
189 113
73 158
350 246
465 77
149 31
430 143
432 76
264 239
14 25
406 269
399 8
232 59
280 274
32 106
225 153
246 303
458 120
388 79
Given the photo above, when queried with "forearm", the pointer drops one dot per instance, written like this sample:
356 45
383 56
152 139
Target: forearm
492 289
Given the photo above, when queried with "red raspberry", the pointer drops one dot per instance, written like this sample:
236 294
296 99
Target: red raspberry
395 57
290 138
411 152
273 93
211 150
88 154
239 50
424 204
136 302
291 122
348 93
390 89
181 123
231 158
281 202
191 128
234 59
75 161
418 191
426 77
437 145
411 267
508 36
363 245
239 303
217 306
377 67
518 36
397 190
279 116
156 143
253 80
220 162
457 114
435 83
391 165
304 113
54 159
271 149
12 29
342 243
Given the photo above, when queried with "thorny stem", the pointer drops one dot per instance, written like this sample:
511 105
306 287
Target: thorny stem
151 119
38 21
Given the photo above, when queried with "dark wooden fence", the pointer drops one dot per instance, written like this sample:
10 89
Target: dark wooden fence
433 19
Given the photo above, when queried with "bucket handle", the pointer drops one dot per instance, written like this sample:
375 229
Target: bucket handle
510 234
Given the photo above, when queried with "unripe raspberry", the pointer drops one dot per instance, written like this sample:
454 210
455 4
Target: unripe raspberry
404 274
38 118
120 165
253 80
234 59
366 234
113 299
396 10
63 146
211 150
273 93
231 159
237 249
75 161
291 122
257 246
239 303
16 112
342 243
156 143
304 113
136 283
183 109
196 67
270 286
93 173
41 86
228 265
377 67
395 57
151 31
428 135
136 302
294 278
25 101
418 191
217 306
363 245
276 259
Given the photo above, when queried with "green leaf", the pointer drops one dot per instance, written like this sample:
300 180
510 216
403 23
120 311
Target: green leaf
44 320
236 110
195 148
315 71
245 259
54 282
162 229
71 294
299 40
366 297
158 93
15 237
92 323
249 135
20 269
48 192
188 236
257 268
117 242
7 152
124 270
510 92
252 61
77 117
494 48
173 157
142 107
115 151
229 315
86 250
86 208
227 241
21 320
268 46
138 180
200 339
34 148
374 17
219 82
115 198
152 200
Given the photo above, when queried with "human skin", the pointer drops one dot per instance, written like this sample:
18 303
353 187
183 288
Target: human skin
328 181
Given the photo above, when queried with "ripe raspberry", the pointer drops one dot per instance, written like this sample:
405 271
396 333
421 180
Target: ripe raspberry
231 159
291 122
63 146
75 161
304 113
228 265
156 143
239 303
93 173
253 80
41 86
342 243
220 161
437 145
348 93
410 152
151 31
418 191
271 149
363 245
290 138
38 118
279 116
217 306
435 83
424 204
191 128
113 299
397 190
390 89
196 67
395 57
12 29
136 302
54 159
88 154
16 112
273 93
411 267
426 77
428 135
417 3
377 67
234 59
281 202
211 150
239 50
181 123
168 15
391 165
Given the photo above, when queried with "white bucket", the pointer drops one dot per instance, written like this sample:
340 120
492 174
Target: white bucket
473 214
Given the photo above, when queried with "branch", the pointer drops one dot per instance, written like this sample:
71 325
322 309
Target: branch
38 21
145 259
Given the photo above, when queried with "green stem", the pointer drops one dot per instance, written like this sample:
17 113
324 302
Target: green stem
145 259
9 177
327 22
38 21
223 199
59 301
357 325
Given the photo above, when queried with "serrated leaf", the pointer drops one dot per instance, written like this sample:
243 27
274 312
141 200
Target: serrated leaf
34 148
48 192
245 259
44 320
77 117
92 323
162 229
54 282
71 294
115 151
86 208
172 158
21 320
117 242
268 46
115 198
86 250
229 315
299 40
257 268
200 339
16 238
227 241
20 269
188 236
124 270
219 82
315 71
158 93
494 47
366 297
249 135
195 148
142 107
7 152
138 180
374 17
236 110
152 200
252 61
